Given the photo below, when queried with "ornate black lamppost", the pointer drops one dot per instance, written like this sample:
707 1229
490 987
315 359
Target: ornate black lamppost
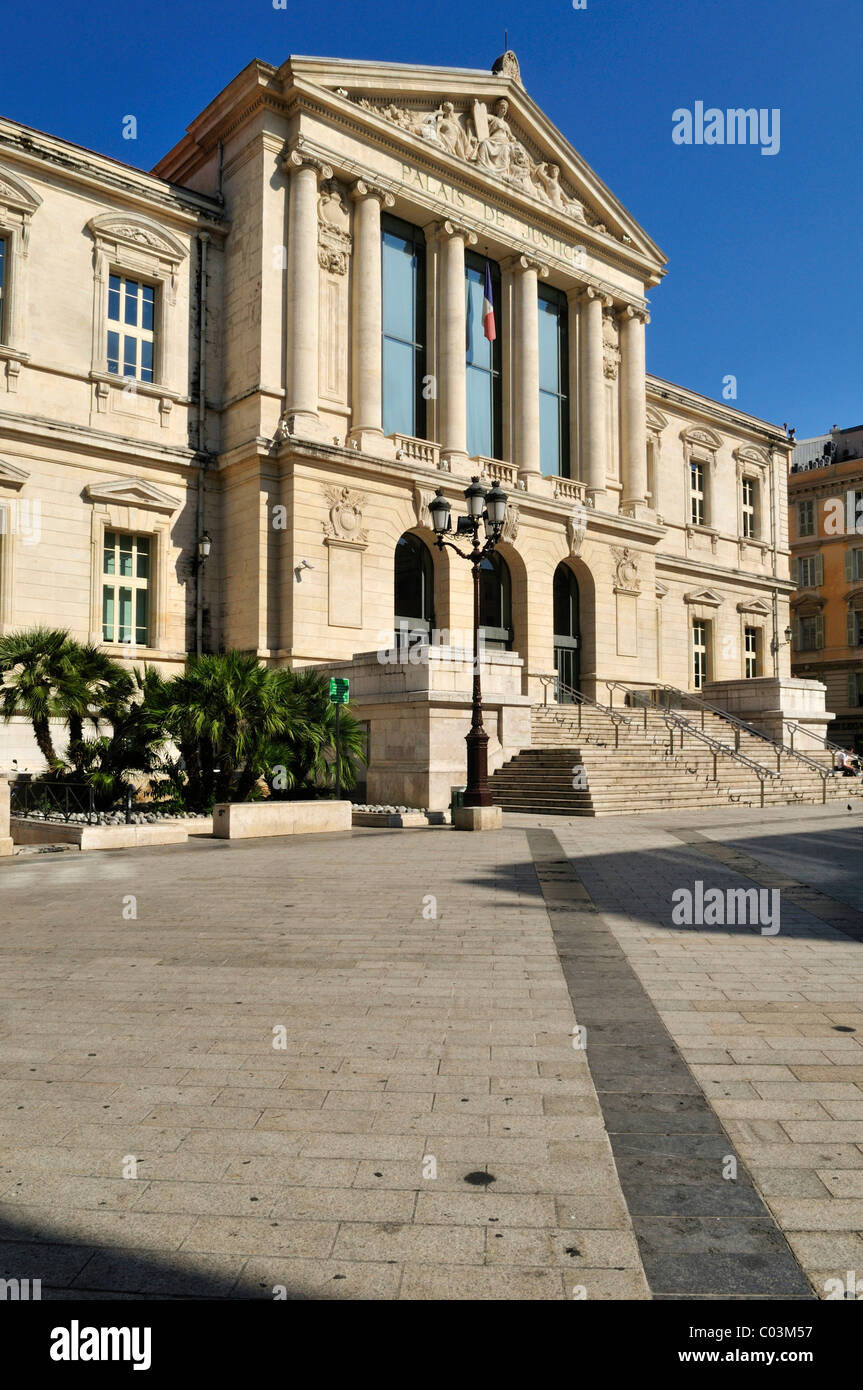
486 508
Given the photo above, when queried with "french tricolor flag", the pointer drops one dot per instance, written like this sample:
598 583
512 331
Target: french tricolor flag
488 327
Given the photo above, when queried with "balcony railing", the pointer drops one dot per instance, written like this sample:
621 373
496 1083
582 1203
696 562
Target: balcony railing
416 450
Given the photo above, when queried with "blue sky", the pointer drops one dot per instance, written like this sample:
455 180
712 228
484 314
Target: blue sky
765 252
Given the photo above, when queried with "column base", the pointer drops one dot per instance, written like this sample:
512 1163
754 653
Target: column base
454 461
477 818
371 442
596 498
638 509
305 425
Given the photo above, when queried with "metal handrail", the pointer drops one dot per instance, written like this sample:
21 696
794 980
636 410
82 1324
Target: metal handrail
617 717
737 724
826 743
53 800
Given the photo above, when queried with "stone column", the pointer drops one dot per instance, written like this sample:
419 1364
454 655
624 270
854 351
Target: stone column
573 386
527 365
6 846
593 437
366 315
453 393
303 292
633 411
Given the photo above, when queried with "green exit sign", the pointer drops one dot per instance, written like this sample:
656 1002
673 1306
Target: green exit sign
340 690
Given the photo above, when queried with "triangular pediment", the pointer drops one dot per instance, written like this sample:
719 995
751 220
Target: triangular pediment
133 492
756 606
11 475
708 598
455 117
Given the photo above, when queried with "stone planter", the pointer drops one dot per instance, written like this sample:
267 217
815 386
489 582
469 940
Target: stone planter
252 820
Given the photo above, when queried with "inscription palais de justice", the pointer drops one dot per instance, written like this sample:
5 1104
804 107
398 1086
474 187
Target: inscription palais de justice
496 217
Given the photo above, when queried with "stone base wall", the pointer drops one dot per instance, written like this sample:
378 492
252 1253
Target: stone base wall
769 702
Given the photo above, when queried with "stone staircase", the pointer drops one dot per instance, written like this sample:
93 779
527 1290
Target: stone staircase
587 761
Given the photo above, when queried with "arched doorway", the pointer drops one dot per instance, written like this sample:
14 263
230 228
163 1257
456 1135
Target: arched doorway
495 603
567 634
414 590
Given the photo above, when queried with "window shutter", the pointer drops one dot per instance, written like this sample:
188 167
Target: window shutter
852 689
795 638
819 630
819 569
849 564
794 567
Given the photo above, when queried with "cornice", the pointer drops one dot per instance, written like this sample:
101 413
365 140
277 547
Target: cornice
42 153
41 432
659 390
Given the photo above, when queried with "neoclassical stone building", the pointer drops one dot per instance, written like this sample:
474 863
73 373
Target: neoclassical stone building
277 339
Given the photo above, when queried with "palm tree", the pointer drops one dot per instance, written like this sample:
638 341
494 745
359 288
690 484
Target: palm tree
103 690
224 711
308 752
38 679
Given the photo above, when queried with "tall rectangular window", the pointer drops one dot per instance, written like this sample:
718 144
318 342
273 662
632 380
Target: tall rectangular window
553 382
699 653
403 278
807 572
854 564
2 290
748 506
750 653
696 493
126 589
131 328
483 362
806 518
810 633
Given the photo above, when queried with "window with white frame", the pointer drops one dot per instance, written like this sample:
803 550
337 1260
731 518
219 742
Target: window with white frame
131 328
806 518
748 495
126 589
700 653
750 652
696 493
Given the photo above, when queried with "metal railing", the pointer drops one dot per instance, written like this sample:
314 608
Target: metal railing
702 706
580 701
53 800
825 743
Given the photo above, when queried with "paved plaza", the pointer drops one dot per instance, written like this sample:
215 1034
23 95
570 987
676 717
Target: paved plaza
431 1065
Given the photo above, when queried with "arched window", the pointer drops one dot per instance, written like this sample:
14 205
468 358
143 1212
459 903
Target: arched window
495 603
414 589
567 633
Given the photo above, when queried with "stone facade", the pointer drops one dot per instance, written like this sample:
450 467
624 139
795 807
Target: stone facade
260 233
826 502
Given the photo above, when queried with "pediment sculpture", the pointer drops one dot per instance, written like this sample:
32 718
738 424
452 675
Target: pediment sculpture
486 139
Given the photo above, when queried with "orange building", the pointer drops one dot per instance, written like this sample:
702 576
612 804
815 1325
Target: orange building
825 488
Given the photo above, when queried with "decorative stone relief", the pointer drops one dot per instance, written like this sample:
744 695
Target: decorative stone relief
422 497
333 229
626 578
507 66
346 515
510 525
610 347
486 139
576 529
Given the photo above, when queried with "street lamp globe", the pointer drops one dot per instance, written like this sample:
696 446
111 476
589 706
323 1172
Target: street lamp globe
439 509
496 505
475 498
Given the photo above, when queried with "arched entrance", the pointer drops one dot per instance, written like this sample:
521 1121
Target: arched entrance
567 634
495 603
414 590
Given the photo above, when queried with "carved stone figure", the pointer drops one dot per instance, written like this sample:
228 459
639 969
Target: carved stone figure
494 151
